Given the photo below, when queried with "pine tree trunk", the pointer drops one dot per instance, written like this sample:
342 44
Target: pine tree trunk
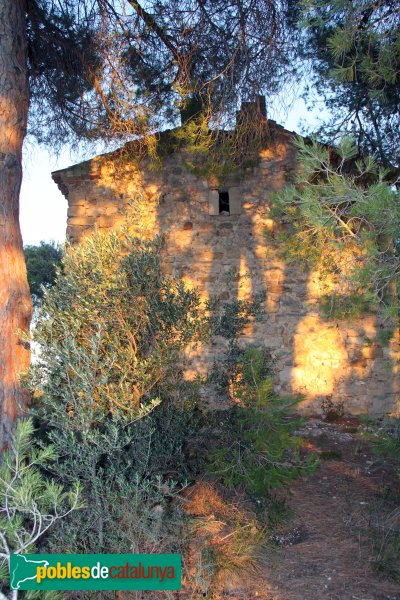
15 301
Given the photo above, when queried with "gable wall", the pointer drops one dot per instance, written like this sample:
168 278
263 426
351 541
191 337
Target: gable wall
230 256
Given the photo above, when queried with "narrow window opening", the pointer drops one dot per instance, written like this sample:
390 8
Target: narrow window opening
223 202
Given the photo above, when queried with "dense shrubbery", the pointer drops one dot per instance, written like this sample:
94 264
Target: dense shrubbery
110 398
256 447
110 395
111 330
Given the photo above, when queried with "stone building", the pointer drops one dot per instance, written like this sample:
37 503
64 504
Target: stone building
218 236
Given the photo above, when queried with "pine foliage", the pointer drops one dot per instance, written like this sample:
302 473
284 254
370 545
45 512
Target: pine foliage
31 503
353 50
343 218
257 448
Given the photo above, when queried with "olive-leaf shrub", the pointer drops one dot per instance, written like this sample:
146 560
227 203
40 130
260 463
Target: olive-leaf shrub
111 329
109 393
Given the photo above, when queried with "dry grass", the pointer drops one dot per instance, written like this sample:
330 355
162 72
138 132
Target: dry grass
227 542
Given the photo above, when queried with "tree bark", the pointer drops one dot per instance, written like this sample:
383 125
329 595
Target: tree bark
15 300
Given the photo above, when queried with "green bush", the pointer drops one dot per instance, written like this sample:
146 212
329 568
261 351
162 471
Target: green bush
109 393
31 503
257 448
41 264
111 331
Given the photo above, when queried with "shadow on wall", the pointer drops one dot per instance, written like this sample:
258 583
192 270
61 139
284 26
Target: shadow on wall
345 362
231 257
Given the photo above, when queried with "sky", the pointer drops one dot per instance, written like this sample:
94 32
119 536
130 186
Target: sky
43 209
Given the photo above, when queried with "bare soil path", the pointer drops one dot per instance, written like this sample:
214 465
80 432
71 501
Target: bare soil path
325 552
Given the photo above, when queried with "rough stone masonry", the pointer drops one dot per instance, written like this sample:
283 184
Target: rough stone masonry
219 238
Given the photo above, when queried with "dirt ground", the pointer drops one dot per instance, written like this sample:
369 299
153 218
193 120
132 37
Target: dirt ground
324 552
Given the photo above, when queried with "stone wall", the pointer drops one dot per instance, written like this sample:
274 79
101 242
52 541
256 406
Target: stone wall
230 256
